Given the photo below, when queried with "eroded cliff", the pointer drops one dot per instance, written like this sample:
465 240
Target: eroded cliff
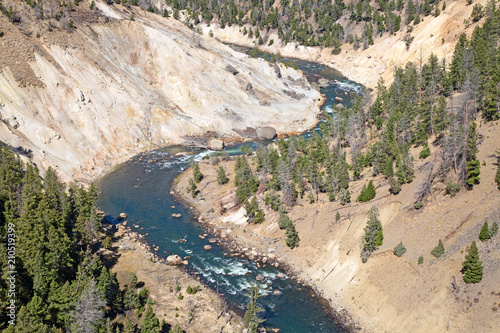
98 86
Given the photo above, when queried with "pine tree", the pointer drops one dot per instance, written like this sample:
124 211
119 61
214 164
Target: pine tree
388 167
472 268
438 250
337 216
292 236
373 237
472 165
484 234
251 319
497 175
493 230
221 176
192 188
197 176
150 323
284 221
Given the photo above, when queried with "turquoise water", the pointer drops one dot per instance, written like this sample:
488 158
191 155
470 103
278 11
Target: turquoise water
141 188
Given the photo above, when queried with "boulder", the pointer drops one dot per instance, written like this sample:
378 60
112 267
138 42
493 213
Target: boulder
176 215
339 99
277 71
207 247
215 144
280 275
231 70
174 259
276 292
185 262
323 83
260 278
340 106
249 86
212 240
266 133
121 216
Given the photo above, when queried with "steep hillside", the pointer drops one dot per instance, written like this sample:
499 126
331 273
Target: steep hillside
387 293
82 90
439 25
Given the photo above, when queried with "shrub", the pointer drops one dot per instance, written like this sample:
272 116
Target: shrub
337 217
283 221
426 152
395 186
438 250
484 234
452 188
418 205
420 260
399 250
493 230
271 42
180 296
107 242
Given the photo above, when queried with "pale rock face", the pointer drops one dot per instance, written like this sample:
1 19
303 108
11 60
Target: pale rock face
127 87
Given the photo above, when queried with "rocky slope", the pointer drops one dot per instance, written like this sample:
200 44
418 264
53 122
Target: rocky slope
84 99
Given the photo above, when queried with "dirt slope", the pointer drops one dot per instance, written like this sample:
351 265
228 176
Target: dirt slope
386 294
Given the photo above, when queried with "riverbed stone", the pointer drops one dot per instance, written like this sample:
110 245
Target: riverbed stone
280 275
276 292
121 216
260 278
339 99
174 259
215 144
207 247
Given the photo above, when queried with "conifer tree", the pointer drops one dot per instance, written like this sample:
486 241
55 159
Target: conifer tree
472 165
493 230
472 268
337 216
497 175
373 237
284 221
251 319
192 188
438 250
292 236
484 234
221 176
150 323
197 176
388 167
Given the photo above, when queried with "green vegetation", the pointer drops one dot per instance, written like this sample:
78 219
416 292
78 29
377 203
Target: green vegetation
373 237
292 236
473 165
251 319
337 217
197 176
497 175
484 234
399 250
192 290
284 221
367 192
438 251
472 268
254 213
221 176
192 189
424 153
420 260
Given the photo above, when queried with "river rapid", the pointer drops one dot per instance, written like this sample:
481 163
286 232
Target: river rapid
141 188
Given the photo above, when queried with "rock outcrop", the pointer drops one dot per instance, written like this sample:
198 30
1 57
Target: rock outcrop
111 88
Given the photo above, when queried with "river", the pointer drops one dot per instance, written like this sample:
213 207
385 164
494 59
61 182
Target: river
141 188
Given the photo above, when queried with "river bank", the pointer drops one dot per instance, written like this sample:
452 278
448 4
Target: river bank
204 311
236 239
